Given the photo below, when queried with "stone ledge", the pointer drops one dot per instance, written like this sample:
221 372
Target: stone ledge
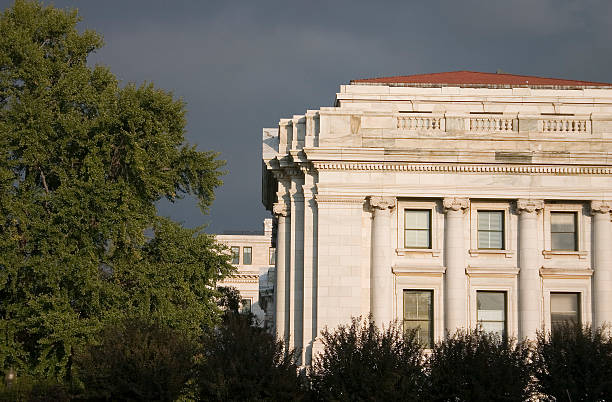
548 254
408 251
486 252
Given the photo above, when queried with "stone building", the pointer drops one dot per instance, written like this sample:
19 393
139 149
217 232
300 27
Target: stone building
444 201
253 255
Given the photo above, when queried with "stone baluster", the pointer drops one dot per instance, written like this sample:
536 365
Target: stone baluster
530 295
381 278
602 262
455 302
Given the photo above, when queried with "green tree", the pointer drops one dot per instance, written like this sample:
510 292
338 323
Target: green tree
83 160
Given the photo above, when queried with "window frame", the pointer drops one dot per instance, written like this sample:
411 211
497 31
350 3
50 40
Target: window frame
502 231
509 226
579 303
272 256
504 334
235 256
429 228
574 232
436 226
582 230
244 254
431 315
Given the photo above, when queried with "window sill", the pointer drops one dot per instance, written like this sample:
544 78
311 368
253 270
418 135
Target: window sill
477 252
491 271
548 254
408 251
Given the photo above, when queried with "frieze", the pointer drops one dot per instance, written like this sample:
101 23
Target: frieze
463 168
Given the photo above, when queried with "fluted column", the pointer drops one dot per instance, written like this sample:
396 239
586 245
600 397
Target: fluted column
455 301
529 276
381 277
281 293
602 262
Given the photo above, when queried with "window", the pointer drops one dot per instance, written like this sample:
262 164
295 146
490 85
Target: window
563 233
491 230
235 255
417 228
272 256
564 309
491 310
245 306
247 255
418 314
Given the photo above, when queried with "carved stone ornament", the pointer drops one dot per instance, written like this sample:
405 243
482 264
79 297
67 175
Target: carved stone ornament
280 209
530 206
382 203
455 204
601 207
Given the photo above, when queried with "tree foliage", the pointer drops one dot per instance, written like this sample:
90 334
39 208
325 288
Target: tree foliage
478 366
362 362
83 160
574 363
242 362
136 360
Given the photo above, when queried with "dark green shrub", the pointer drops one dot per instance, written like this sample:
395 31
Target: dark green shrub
574 363
478 366
242 362
31 390
362 362
138 361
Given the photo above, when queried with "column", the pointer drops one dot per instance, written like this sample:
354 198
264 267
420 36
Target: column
602 262
381 277
530 294
310 264
296 298
281 293
455 300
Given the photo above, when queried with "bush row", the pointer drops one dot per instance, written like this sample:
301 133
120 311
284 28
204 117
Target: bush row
138 361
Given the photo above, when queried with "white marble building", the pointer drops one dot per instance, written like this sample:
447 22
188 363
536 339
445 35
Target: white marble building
444 201
253 255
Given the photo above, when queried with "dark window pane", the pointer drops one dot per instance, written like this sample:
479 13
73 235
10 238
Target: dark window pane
563 231
564 309
563 241
491 230
235 255
272 256
492 311
418 314
247 256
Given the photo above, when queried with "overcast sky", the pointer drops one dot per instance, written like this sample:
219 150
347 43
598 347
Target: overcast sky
242 65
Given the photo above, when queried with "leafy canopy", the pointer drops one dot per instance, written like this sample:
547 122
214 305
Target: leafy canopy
82 162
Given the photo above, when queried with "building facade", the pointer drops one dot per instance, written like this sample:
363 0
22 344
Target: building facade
253 255
444 201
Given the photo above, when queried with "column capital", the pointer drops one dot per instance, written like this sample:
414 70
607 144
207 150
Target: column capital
280 209
529 206
455 204
382 203
601 207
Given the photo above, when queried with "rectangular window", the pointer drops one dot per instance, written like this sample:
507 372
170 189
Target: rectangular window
235 255
491 230
491 310
247 255
418 314
563 231
417 228
564 309
272 256
245 306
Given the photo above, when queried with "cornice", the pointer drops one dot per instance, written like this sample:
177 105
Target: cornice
463 168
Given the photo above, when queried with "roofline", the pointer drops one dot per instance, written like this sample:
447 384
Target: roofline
488 86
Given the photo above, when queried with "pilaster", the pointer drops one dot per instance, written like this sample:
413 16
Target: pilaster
602 262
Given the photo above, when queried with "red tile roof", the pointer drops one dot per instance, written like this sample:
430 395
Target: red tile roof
478 79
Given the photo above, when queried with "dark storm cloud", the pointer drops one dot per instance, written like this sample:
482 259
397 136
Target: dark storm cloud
241 66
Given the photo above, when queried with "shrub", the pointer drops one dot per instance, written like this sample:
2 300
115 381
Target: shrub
31 390
136 360
360 361
242 362
574 363
478 366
